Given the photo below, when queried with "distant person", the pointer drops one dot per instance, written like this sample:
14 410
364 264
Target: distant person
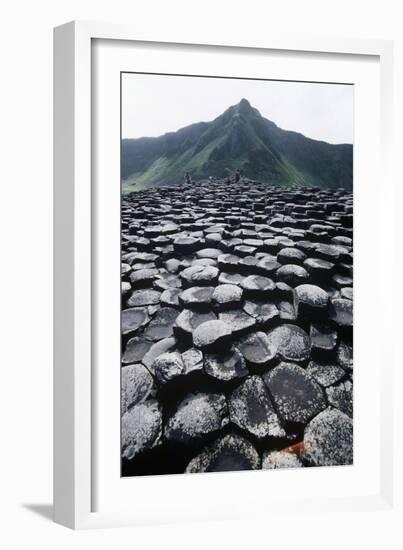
188 179
237 176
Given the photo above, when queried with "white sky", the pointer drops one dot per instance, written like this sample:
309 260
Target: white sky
155 104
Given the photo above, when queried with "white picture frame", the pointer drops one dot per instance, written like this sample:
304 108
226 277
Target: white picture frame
77 472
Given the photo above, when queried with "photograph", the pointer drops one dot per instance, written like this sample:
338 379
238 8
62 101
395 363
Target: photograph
236 274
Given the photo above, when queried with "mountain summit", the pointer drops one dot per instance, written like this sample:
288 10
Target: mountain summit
238 138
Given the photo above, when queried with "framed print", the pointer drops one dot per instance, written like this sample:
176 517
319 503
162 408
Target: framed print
217 213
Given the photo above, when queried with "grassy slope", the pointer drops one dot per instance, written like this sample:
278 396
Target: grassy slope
240 138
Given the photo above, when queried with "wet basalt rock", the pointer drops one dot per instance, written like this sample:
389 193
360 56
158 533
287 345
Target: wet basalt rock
141 428
251 409
236 323
137 384
291 343
197 415
280 459
226 366
328 439
296 395
257 349
232 452
212 335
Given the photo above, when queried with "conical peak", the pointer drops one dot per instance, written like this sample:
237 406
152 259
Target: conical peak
244 107
244 103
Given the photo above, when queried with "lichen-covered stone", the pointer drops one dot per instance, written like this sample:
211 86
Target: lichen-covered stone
323 337
257 349
211 335
328 439
144 297
192 360
225 366
347 292
319 269
344 354
143 277
168 366
257 285
341 312
228 262
341 397
156 349
230 278
310 301
286 310
292 274
186 245
267 266
291 342
126 289
197 296
239 252
296 395
228 454
291 256
199 275
273 460
135 350
162 324
238 320
141 428
132 319
136 385
264 312
187 322
227 296
170 297
251 409
209 253
167 280
197 416
326 374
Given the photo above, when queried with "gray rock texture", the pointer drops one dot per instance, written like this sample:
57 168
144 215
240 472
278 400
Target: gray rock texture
230 453
251 409
328 439
197 415
236 327
296 395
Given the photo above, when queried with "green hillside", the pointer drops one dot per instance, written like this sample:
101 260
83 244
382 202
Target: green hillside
239 138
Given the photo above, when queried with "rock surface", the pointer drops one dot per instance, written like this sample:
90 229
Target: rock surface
141 428
341 397
310 301
225 366
227 296
291 343
280 459
212 335
230 453
197 415
257 349
326 374
251 409
168 366
328 439
222 284
296 395
136 385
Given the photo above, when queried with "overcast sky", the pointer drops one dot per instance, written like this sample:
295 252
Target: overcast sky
155 104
